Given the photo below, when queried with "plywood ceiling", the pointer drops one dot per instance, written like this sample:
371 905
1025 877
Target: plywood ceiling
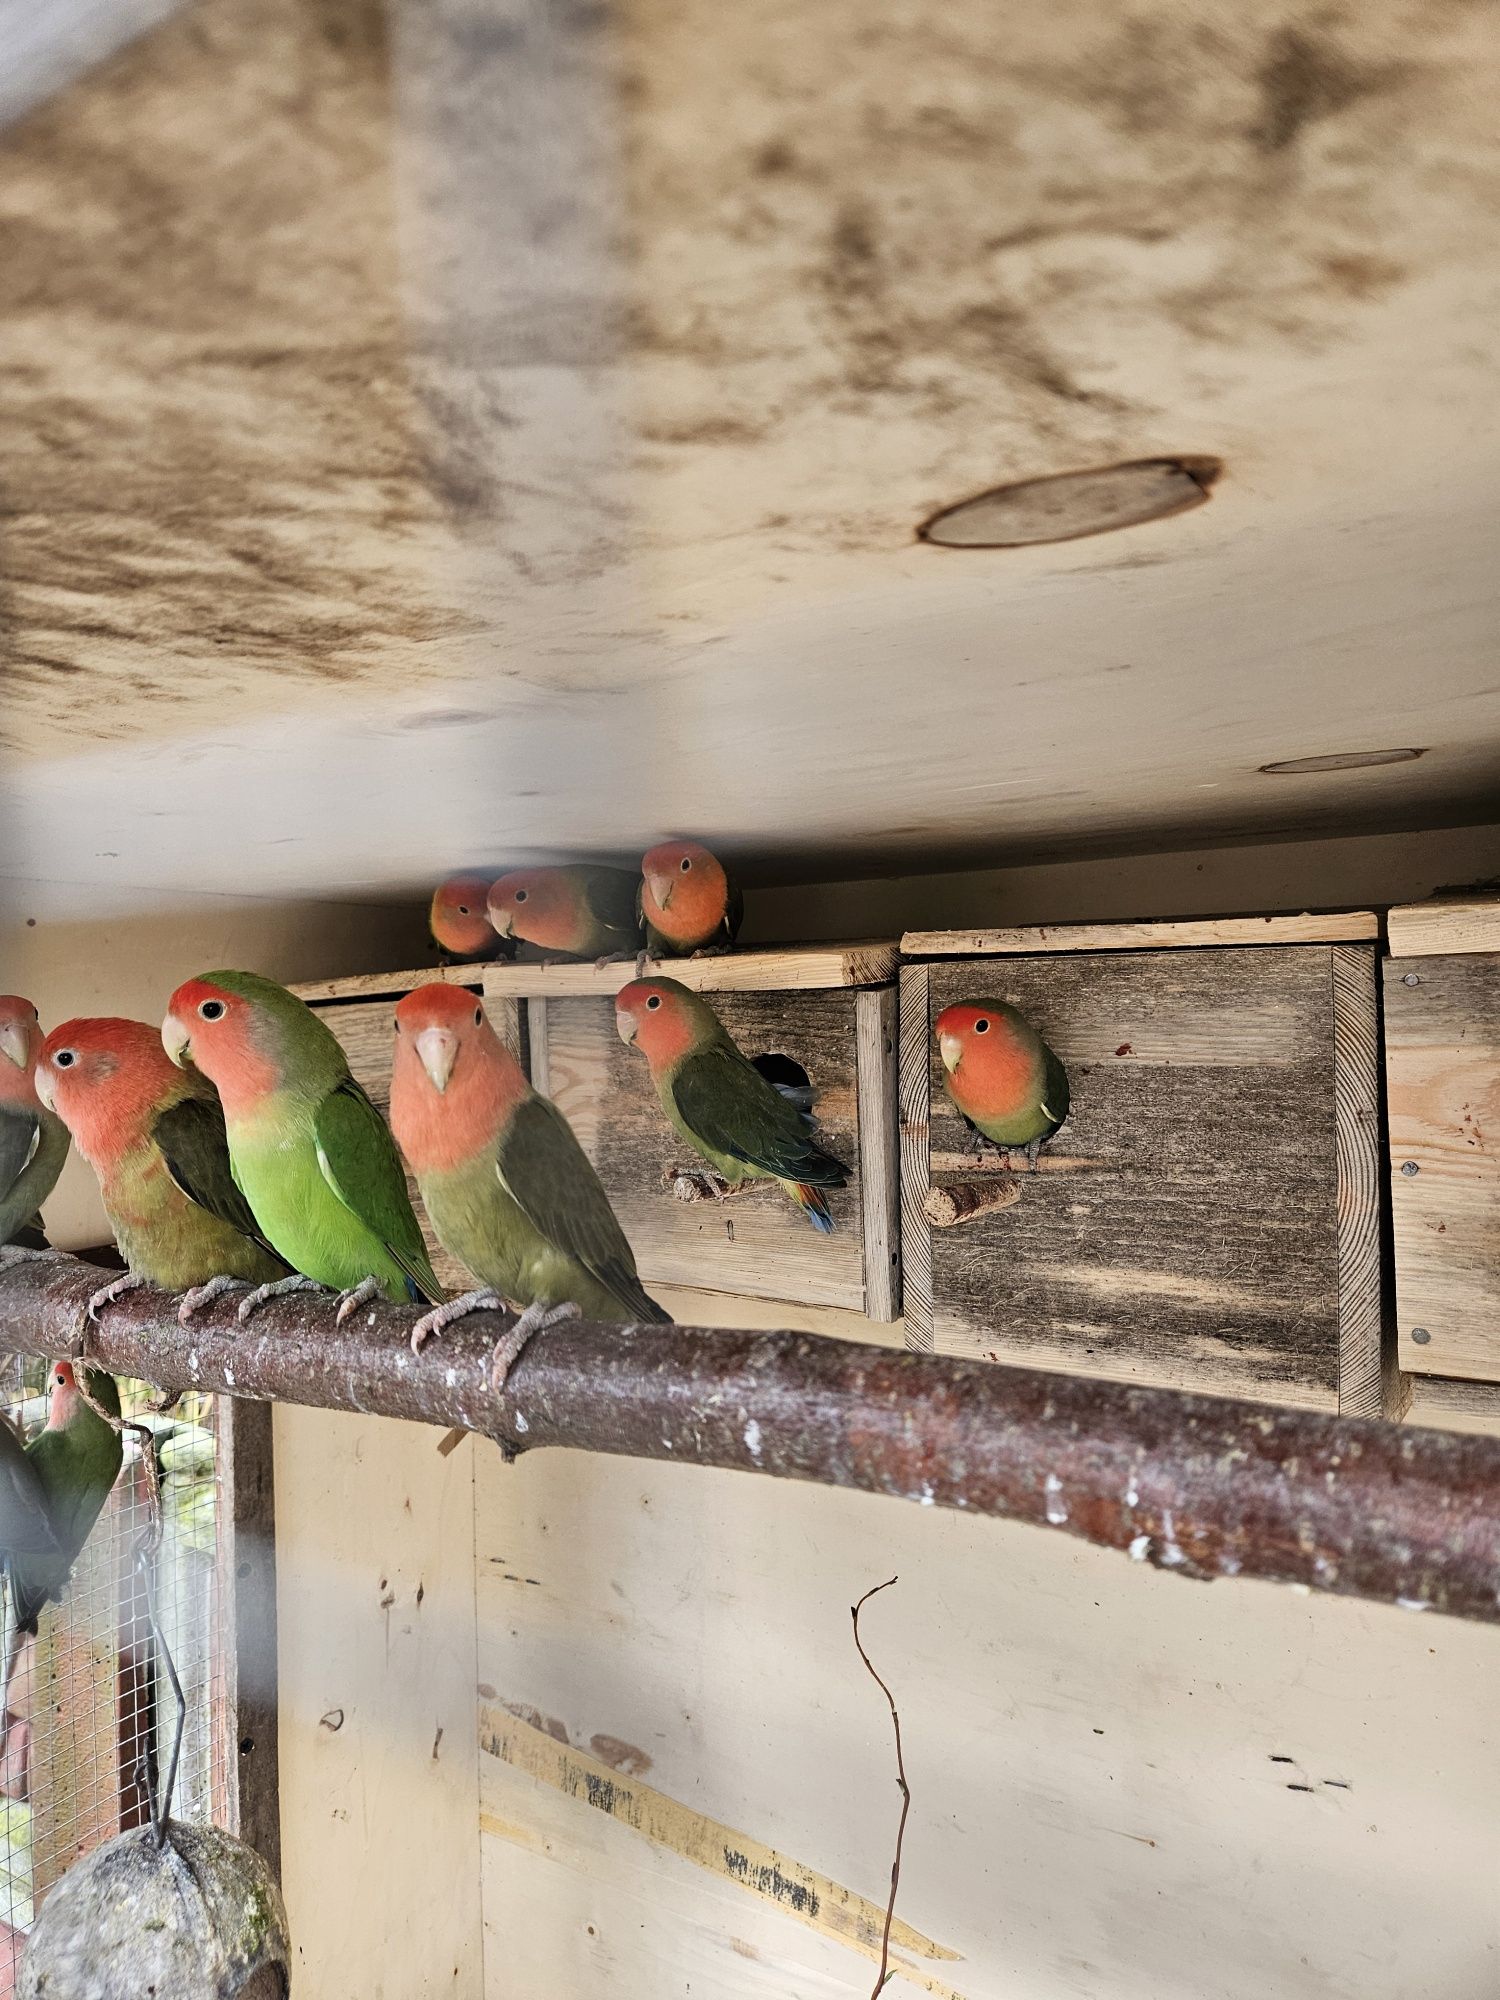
454 431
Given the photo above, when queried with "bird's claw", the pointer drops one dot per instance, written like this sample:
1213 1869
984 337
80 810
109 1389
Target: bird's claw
251 1304
356 1296
432 1323
199 1296
536 1319
128 1281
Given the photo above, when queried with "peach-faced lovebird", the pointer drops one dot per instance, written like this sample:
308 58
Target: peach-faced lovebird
510 1191
688 903
743 1125
33 1144
77 1460
574 912
1002 1077
459 920
307 1147
154 1136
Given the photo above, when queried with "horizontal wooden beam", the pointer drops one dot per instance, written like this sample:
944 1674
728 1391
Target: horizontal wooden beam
1178 934
1203 1486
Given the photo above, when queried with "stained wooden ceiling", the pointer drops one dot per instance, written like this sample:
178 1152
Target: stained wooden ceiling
455 431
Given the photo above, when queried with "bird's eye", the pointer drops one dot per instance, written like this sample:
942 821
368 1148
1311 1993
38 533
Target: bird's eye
654 1000
64 1059
396 1022
981 1027
463 909
520 895
211 1010
687 862
478 1016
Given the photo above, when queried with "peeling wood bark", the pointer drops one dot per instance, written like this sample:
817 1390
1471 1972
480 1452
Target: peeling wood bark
1203 1486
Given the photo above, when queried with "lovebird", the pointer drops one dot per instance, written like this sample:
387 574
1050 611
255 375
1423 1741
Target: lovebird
154 1136
508 1188
77 1460
1002 1077
687 902
459 920
721 1104
33 1143
25 1525
576 912
309 1151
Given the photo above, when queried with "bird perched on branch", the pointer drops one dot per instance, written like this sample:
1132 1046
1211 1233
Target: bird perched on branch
1002 1077
581 911
33 1143
460 923
154 1136
508 1188
687 902
720 1103
307 1147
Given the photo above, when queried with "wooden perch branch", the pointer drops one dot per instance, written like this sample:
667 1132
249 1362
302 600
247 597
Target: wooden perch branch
946 1207
1195 1484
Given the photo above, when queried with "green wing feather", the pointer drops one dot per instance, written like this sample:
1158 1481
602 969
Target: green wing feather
549 1177
728 1104
360 1163
25 1524
191 1137
1056 1095
612 897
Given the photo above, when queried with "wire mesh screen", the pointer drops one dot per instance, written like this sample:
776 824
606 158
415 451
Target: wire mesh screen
89 1715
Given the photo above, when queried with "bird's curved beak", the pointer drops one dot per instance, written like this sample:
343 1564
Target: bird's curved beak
503 920
661 889
41 1083
438 1048
13 1043
176 1040
950 1047
625 1026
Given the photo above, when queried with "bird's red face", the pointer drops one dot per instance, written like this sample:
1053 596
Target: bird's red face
102 1077
684 889
459 920
216 1031
20 1039
452 1079
651 1014
536 904
979 1046
62 1394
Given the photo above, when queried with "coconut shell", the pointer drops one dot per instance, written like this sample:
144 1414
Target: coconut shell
199 1918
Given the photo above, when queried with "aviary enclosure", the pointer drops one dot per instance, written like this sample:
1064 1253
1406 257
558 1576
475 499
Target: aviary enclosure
749 1234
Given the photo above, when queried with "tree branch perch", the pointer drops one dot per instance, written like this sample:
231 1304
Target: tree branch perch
1195 1484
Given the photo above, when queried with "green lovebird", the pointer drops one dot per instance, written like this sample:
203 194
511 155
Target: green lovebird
154 1136
687 902
308 1149
76 1460
510 1191
576 912
25 1525
1002 1077
33 1144
720 1102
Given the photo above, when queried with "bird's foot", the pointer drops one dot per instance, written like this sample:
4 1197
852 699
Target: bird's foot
642 960
356 1296
128 1281
614 958
199 1296
711 951
251 1304
432 1323
20 1253
1034 1156
536 1319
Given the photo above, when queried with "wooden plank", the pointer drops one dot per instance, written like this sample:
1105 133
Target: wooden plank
757 1243
1442 1052
538 1056
245 1722
879 1149
797 968
1367 1378
1454 1405
1187 1229
914 1093
369 985
692 1307
379 1766
1341 927
1444 928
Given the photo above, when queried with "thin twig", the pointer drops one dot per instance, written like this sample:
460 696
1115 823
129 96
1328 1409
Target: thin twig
886 1970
